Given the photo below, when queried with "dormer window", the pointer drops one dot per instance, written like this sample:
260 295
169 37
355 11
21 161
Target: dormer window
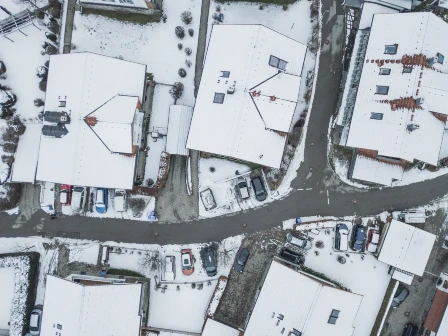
277 63
407 70
440 58
62 103
384 71
382 90
391 49
334 316
225 74
219 98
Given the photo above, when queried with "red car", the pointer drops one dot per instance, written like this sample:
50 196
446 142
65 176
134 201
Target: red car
65 196
187 261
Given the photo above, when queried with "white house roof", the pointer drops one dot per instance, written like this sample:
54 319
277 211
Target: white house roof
106 310
179 121
368 169
416 35
25 158
119 3
215 328
100 87
251 123
406 247
302 304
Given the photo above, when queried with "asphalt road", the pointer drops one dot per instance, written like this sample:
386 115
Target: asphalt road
299 203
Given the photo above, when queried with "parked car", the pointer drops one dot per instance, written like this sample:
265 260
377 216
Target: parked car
170 268
65 196
242 187
260 192
341 237
241 260
400 295
121 200
210 261
292 256
358 237
301 242
409 330
78 197
35 322
372 241
101 200
186 257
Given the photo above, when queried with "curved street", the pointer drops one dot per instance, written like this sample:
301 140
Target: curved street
314 173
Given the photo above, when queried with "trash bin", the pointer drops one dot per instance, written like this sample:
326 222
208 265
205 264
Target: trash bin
298 220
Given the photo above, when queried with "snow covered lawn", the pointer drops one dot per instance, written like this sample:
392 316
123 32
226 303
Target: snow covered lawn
153 44
367 277
6 294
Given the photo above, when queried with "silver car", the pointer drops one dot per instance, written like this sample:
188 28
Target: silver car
35 322
301 242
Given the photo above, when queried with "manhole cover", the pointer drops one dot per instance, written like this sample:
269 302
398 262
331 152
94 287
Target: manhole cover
407 314
420 279
327 41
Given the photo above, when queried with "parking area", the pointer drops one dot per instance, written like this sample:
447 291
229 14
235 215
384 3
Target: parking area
422 290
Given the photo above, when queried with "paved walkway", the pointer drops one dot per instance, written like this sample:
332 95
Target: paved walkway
69 25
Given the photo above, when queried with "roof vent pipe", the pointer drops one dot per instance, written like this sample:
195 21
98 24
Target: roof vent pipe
413 127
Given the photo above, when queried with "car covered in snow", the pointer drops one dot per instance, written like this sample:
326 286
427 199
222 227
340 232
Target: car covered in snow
300 241
65 196
372 241
101 200
120 200
242 187
186 258
35 322
78 197
170 268
241 260
341 237
358 237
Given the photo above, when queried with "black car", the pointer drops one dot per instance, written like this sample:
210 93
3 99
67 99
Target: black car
292 256
401 294
210 261
409 330
241 260
359 234
260 192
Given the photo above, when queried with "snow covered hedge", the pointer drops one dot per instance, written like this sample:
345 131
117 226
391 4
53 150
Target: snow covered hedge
25 280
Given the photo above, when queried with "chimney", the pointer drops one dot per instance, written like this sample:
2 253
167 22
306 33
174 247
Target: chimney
91 121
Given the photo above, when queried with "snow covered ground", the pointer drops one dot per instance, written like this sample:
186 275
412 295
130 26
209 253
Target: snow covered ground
7 294
153 44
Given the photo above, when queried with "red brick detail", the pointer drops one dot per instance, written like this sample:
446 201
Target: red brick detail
372 154
91 121
440 116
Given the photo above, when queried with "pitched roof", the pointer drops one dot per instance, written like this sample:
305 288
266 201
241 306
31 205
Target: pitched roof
215 328
291 300
103 88
437 310
179 121
107 310
368 169
417 38
250 123
406 247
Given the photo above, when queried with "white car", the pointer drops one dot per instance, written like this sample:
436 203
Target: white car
372 241
301 242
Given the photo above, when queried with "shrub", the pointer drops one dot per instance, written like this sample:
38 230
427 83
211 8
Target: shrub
2 68
182 72
137 204
212 169
38 102
285 7
53 26
51 50
188 63
261 7
40 15
215 16
191 32
10 136
52 37
180 32
188 51
17 125
177 90
218 8
179 46
149 182
42 72
8 159
186 17
43 86
54 3
55 12
9 147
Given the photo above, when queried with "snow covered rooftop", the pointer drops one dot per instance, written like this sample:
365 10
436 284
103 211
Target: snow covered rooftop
291 301
215 328
72 309
120 3
402 96
368 169
102 97
406 247
25 158
178 125
248 94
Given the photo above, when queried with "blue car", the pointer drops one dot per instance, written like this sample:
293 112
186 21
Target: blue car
358 237
101 200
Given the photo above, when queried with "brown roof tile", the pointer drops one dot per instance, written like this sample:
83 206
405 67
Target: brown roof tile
436 311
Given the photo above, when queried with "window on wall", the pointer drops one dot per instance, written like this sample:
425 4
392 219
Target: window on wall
382 90
440 58
376 116
225 74
407 70
219 98
334 316
384 71
391 49
277 63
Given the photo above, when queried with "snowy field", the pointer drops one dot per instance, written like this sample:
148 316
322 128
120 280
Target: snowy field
6 295
153 44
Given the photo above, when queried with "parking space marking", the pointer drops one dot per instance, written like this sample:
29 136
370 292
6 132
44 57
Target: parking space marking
328 197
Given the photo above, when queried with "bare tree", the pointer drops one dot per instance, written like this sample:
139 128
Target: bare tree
188 51
186 17
180 32
9 147
150 261
182 72
227 251
176 91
